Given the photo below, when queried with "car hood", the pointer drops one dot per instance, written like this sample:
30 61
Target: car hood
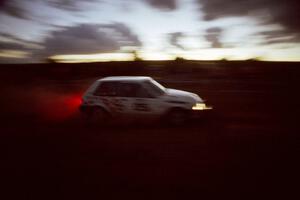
183 95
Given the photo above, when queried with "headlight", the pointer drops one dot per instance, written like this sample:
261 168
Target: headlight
199 106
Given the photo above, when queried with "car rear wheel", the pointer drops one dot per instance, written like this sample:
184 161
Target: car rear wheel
98 116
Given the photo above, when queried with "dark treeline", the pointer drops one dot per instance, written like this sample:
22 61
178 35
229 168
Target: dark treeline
194 69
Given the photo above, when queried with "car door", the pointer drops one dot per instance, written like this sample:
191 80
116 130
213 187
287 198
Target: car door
139 102
108 96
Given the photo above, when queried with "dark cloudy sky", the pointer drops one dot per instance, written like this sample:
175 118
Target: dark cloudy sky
33 30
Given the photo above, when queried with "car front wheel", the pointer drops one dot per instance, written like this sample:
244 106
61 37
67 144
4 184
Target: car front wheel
177 117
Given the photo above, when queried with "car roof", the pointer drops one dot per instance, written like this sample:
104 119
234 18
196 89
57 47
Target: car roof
125 78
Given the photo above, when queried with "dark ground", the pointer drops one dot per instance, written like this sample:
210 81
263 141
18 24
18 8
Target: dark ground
248 148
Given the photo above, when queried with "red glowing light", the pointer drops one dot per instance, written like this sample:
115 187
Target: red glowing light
73 101
58 107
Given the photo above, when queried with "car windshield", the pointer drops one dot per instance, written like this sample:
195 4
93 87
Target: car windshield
157 88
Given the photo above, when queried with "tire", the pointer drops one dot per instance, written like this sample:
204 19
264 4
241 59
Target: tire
98 116
177 117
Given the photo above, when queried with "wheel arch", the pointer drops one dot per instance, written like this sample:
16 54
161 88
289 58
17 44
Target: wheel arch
176 108
89 108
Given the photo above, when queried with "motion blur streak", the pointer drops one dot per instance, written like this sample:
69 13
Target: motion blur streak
57 107
42 103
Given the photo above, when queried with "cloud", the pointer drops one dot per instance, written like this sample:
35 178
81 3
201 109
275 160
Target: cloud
13 54
175 38
80 39
70 5
24 9
13 49
10 46
163 4
284 12
279 36
15 8
213 35
12 43
89 39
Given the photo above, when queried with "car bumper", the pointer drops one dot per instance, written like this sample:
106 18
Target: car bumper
201 113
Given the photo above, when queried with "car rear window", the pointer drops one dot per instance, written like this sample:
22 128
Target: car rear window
107 88
121 89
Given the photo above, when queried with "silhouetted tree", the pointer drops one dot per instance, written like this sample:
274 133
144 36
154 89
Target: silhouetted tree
179 59
50 60
136 56
258 58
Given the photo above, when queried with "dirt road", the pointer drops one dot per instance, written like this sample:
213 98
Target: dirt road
248 149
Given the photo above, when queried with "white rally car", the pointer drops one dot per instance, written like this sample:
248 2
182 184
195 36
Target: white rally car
138 97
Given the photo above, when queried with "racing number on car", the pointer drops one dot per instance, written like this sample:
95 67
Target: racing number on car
114 104
141 107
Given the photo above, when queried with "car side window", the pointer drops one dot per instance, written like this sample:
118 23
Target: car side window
106 89
132 90
152 89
